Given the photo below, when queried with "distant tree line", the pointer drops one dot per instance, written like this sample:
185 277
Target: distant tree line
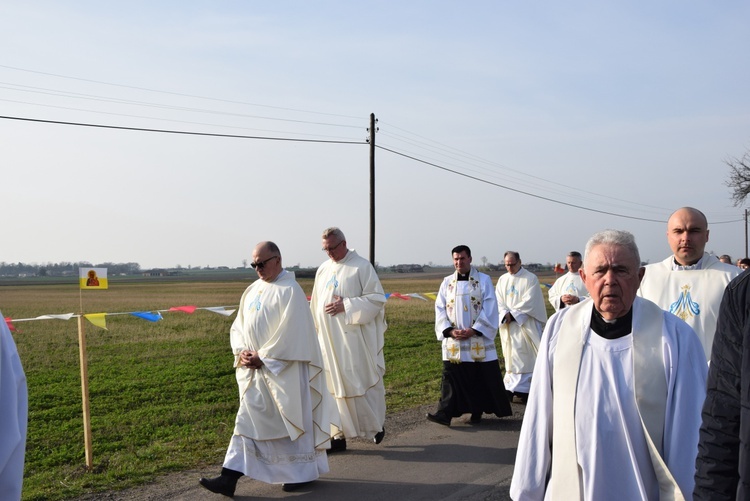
64 269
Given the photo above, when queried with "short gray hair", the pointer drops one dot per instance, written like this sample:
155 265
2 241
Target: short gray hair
613 237
334 232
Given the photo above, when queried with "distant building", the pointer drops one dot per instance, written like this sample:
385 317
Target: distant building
408 268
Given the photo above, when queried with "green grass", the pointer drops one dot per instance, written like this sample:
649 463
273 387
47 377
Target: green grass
163 395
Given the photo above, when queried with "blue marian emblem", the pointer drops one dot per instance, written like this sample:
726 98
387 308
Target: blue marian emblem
685 307
332 283
255 303
512 291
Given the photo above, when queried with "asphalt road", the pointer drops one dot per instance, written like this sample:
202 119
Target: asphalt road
417 460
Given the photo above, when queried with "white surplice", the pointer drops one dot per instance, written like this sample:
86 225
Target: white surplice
694 295
286 412
521 296
610 442
352 342
13 416
570 283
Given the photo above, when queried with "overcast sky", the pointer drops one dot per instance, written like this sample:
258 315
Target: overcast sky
503 125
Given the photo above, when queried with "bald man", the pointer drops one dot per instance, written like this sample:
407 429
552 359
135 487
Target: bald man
689 283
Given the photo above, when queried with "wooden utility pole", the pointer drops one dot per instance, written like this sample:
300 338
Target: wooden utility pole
746 254
372 130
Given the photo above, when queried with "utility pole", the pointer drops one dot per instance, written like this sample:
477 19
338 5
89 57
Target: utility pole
371 140
746 254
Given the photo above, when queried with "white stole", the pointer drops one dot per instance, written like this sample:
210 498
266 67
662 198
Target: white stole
476 344
650 393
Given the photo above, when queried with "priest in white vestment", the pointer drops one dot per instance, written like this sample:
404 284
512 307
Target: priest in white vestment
348 306
466 325
522 315
13 416
283 425
569 289
615 403
690 283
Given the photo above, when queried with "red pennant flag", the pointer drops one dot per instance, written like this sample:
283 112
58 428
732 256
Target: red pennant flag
186 309
9 322
400 296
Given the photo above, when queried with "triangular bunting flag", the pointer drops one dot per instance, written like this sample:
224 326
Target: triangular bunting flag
417 296
10 325
220 310
186 309
147 315
400 296
431 295
97 319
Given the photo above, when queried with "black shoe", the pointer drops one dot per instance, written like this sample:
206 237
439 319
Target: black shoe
522 397
379 436
337 445
294 487
220 485
476 418
439 418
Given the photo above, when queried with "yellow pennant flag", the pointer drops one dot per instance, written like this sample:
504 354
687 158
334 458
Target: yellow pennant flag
97 319
430 295
92 278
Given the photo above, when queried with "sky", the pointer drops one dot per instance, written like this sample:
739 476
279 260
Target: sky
502 125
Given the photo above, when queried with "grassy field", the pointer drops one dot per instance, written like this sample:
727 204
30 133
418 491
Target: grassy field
163 395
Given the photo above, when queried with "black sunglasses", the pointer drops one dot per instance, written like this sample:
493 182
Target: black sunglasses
262 264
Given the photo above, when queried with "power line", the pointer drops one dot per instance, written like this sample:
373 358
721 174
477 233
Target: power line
176 93
527 193
189 133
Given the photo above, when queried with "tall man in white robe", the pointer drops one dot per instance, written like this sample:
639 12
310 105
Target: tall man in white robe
348 306
520 305
569 289
283 424
690 283
615 403
466 325
13 416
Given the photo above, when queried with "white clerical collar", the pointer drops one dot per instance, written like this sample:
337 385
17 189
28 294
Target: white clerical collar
679 267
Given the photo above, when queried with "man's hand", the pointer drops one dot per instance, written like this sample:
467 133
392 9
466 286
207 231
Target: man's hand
337 306
569 299
250 359
462 333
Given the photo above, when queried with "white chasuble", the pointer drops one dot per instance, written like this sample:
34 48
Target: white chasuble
352 342
692 295
286 399
521 296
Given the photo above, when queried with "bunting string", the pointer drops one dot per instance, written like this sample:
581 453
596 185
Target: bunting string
99 319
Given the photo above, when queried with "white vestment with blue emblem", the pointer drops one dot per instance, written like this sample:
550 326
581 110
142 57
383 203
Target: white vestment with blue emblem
521 296
286 412
693 295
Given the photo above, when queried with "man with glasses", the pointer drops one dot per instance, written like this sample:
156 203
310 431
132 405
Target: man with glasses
285 413
348 306
522 315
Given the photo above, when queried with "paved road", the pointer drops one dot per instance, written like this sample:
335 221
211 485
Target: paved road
417 460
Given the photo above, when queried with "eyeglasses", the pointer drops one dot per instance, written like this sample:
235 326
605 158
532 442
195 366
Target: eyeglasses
329 249
510 265
262 264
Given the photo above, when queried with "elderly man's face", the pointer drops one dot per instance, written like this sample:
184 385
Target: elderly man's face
612 276
267 264
687 233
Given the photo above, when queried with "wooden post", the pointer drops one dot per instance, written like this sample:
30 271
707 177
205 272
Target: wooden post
85 393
